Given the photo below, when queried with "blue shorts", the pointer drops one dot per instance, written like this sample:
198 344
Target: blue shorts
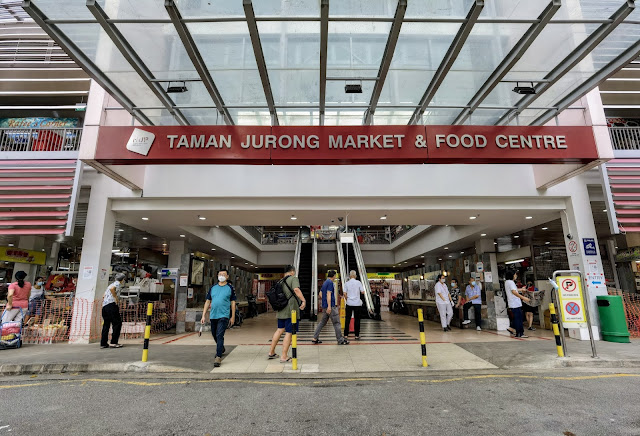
285 324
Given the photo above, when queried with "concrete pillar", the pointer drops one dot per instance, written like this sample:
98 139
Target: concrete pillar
611 252
52 259
578 226
179 258
33 243
95 264
497 317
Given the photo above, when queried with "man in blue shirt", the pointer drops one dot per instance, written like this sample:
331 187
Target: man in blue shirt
474 298
221 298
330 310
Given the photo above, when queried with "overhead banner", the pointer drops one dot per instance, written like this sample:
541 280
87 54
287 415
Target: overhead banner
344 145
18 255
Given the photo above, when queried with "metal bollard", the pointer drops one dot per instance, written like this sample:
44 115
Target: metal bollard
147 333
423 339
556 331
294 340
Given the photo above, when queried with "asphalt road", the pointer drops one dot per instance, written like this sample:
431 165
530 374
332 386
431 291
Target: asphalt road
559 403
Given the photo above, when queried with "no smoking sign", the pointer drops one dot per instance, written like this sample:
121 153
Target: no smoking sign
573 246
570 293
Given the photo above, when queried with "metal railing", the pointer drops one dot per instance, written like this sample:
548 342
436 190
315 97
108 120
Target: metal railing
278 238
625 138
40 139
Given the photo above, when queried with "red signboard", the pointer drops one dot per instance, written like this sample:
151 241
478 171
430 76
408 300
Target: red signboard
344 145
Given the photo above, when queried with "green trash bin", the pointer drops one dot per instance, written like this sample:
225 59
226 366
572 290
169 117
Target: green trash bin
613 322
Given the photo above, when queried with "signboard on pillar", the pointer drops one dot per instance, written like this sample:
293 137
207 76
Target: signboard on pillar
571 302
590 248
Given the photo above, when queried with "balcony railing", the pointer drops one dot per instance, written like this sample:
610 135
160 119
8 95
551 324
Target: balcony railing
40 139
625 138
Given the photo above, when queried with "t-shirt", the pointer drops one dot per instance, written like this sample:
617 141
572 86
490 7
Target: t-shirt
327 289
292 283
472 291
513 301
455 294
353 288
221 298
108 296
20 294
441 288
36 293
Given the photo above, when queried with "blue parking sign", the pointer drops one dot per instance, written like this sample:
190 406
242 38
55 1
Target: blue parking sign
589 246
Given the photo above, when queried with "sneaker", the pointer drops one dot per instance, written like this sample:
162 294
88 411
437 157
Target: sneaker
345 342
445 330
522 336
449 328
511 330
224 350
466 321
531 328
217 361
478 328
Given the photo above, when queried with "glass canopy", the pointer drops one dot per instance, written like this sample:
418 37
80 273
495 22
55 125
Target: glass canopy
287 62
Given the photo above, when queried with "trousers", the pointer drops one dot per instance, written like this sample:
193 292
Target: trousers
477 308
446 313
335 320
111 317
218 328
355 310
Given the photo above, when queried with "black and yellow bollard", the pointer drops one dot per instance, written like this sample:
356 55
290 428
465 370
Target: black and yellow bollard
147 333
423 339
294 340
556 330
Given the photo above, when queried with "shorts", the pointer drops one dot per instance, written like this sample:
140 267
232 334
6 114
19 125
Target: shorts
528 309
285 324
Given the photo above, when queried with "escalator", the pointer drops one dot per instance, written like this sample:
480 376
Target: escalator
305 275
350 259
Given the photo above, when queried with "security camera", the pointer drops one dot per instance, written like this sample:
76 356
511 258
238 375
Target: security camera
569 236
340 218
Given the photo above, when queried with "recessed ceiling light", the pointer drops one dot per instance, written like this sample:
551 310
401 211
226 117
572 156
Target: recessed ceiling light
144 218
405 262
121 230
439 259
11 245
450 256
545 228
462 252
547 243
144 237
473 217
293 217
246 263
421 256
516 236
164 245
233 257
446 248
483 234
213 249
182 236
383 217
528 217
495 243
604 210
201 218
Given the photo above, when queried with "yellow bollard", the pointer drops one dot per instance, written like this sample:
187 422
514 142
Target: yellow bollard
147 333
423 339
556 331
294 341
343 313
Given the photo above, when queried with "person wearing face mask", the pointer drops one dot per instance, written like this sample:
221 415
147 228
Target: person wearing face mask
35 300
455 293
17 299
111 313
474 298
444 303
221 298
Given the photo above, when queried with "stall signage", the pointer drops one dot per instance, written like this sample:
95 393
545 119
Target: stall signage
344 145
571 302
38 122
18 255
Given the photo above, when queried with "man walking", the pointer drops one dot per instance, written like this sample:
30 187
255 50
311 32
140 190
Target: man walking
221 298
291 288
330 310
353 289
474 298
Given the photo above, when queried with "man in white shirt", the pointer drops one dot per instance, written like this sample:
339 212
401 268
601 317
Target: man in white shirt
515 299
353 289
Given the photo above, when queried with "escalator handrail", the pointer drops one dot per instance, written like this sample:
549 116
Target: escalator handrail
314 277
296 256
341 265
368 299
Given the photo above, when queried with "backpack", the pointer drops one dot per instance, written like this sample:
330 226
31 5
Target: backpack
276 295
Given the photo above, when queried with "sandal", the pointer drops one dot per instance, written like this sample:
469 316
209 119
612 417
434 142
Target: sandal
316 341
285 361
115 346
273 356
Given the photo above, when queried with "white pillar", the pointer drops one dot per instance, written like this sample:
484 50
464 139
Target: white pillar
179 258
578 227
33 243
95 264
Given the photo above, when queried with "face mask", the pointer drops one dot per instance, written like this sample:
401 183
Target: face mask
222 279
39 283
454 285
443 280
473 283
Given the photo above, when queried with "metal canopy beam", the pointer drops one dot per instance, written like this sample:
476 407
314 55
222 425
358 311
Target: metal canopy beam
134 60
612 67
259 55
510 60
386 59
449 59
324 35
82 60
574 58
196 59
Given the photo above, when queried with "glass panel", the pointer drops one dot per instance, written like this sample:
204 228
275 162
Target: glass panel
292 55
344 117
135 9
335 88
251 117
66 9
589 9
287 8
356 44
438 8
203 117
440 116
485 117
359 8
392 117
228 54
91 39
299 117
160 117
486 46
210 8
513 9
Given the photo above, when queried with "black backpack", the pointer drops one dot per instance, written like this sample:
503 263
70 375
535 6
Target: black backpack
276 295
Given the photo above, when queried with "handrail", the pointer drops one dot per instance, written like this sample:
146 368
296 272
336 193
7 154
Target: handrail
363 275
625 138
296 256
314 278
341 265
40 139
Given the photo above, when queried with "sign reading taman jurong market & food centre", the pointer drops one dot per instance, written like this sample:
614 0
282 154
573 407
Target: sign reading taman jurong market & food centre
344 144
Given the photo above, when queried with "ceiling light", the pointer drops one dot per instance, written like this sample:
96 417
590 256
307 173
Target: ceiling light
604 210
11 245
446 248
144 237
421 256
473 217
524 90
439 259
246 263
462 252
293 217
483 234
514 261
177 89
213 249
516 236
545 228
144 218
182 236
233 257
528 217
201 218
164 245
121 230
495 243
353 88
547 243
450 256
383 217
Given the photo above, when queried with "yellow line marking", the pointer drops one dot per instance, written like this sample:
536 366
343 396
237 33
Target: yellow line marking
584 377
26 385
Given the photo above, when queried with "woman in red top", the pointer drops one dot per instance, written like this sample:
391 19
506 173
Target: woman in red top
17 298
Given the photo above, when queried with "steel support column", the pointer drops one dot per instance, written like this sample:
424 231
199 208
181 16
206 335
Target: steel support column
510 60
134 60
574 58
83 61
259 55
324 35
449 59
196 59
386 59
